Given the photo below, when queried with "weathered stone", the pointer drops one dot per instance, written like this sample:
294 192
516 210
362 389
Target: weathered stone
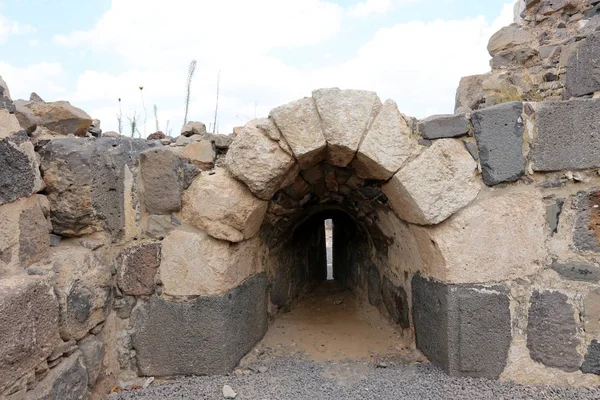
164 176
346 116
374 284
159 225
508 37
201 153
219 140
591 314
35 98
586 235
195 264
158 135
19 168
386 146
59 117
444 126
453 251
583 67
28 326
552 331
168 335
6 103
499 134
298 189
396 302
566 135
89 184
92 350
469 95
223 207
9 124
577 271
34 238
259 161
137 268
591 363
519 56
435 185
124 305
84 289
465 330
67 381
193 128
300 125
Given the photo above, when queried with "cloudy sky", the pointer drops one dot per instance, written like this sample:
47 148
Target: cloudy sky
268 52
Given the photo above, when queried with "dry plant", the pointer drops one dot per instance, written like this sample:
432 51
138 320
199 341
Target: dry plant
120 118
188 92
215 125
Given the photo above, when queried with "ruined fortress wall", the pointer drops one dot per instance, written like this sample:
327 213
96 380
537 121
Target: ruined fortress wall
476 233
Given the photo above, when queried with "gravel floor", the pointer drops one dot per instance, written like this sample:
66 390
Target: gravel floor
294 379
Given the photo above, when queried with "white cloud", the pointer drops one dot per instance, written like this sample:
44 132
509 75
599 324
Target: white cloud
43 78
9 28
417 64
369 7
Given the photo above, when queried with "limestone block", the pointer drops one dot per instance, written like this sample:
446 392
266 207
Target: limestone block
463 329
566 135
137 266
24 236
499 134
223 207
201 153
469 94
59 117
28 326
92 350
396 302
207 335
193 128
552 331
346 116
583 67
471 247
386 146
195 264
444 126
84 286
89 183
435 185
258 161
68 381
300 125
9 124
164 176
508 37
19 168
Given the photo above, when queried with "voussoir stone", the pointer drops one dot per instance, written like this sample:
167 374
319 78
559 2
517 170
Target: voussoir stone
259 161
346 116
499 134
223 207
435 185
583 67
300 125
508 37
59 117
28 325
566 135
457 251
195 264
387 145
137 268
444 126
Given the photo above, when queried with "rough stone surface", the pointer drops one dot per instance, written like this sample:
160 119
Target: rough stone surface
346 115
34 238
88 181
578 271
67 381
499 134
168 335
223 207
469 95
374 286
396 302
6 102
300 125
386 146
435 185
193 128
583 67
19 169
92 350
28 326
201 153
164 176
453 252
591 363
9 124
444 126
586 235
195 264
59 117
465 330
84 286
508 37
552 331
137 268
566 135
259 162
